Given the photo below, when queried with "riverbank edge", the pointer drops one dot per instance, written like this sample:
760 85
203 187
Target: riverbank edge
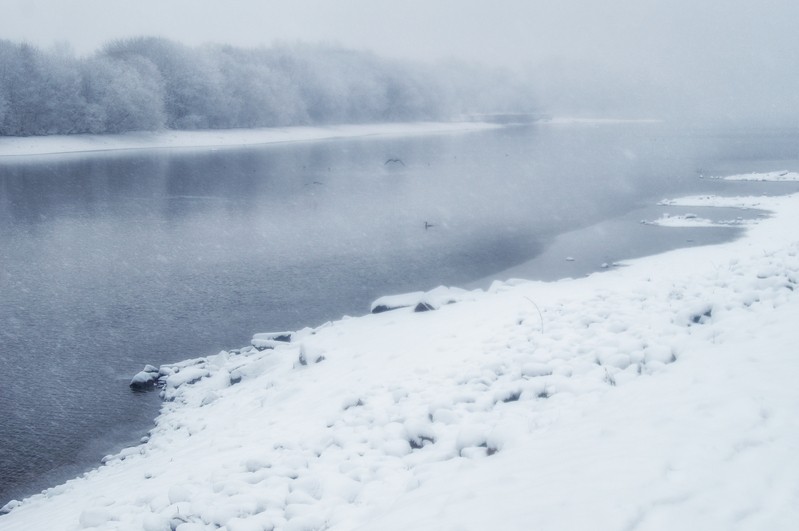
707 306
221 138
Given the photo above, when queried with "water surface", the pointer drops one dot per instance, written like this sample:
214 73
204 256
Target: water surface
109 261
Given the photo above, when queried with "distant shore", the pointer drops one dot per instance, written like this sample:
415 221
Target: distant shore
21 146
219 138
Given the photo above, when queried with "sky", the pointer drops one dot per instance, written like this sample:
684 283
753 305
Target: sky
723 53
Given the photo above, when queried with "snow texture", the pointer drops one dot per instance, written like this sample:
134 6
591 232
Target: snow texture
657 396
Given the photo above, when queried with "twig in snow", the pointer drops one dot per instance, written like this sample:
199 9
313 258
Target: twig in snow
540 315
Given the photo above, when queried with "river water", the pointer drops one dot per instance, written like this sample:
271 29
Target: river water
112 260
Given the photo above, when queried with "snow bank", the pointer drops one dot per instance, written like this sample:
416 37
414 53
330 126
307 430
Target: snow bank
41 145
658 396
567 120
743 203
692 220
775 176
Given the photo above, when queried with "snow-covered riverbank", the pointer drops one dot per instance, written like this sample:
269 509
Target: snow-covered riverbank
43 145
661 395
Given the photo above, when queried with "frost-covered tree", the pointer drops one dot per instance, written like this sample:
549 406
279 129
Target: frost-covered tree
122 95
16 71
193 98
148 83
42 92
260 92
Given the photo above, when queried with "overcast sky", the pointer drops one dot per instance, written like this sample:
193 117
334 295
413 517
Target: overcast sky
506 31
682 46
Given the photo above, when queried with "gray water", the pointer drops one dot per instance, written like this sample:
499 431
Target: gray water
109 261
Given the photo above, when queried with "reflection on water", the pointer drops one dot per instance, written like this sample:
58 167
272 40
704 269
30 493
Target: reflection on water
113 260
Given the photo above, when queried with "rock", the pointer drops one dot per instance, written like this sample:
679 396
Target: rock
421 301
310 355
394 302
265 344
270 340
10 506
186 377
144 380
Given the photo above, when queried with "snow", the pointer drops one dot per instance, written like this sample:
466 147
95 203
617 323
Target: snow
40 145
421 301
775 176
573 120
743 203
657 396
692 220
143 379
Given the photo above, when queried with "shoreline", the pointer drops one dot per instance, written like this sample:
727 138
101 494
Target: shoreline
12 147
370 422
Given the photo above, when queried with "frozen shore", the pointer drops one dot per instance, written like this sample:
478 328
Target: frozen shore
45 145
661 395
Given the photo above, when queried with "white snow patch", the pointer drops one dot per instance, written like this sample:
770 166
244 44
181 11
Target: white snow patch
567 120
716 201
693 221
774 176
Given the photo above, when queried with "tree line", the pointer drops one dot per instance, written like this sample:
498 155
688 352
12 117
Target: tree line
148 83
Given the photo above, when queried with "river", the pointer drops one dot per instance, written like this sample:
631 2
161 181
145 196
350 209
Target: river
112 260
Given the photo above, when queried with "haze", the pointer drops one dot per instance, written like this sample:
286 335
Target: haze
722 60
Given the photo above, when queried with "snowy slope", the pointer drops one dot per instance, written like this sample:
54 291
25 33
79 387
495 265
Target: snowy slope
661 395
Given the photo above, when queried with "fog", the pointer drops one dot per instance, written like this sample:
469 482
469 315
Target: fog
721 61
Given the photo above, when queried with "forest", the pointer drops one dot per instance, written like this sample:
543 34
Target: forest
149 83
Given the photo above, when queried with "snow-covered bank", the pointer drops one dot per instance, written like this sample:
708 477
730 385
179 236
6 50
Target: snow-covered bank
772 176
43 145
692 220
566 120
656 396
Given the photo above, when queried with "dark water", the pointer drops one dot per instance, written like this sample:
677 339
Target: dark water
110 261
